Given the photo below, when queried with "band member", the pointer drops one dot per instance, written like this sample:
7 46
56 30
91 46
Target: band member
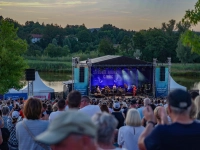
126 87
134 90
98 90
114 88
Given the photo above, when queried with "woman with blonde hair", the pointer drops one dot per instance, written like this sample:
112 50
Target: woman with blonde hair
197 104
128 135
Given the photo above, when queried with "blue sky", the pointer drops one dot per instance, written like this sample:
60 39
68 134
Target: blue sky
127 14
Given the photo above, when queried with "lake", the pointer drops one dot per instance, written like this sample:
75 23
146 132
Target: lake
55 80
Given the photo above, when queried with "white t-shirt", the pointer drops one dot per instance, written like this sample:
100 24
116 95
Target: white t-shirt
128 137
53 115
90 110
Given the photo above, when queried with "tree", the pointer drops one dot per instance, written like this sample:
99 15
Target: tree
190 38
106 47
12 65
137 54
84 36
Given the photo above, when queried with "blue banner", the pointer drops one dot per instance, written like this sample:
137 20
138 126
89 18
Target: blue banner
82 87
15 96
161 86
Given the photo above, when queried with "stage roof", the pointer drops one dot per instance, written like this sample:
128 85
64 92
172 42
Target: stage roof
114 60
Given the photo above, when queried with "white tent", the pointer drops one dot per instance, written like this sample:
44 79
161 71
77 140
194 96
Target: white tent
13 91
174 85
38 86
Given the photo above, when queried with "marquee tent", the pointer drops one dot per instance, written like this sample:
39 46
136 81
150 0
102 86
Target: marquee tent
40 90
174 85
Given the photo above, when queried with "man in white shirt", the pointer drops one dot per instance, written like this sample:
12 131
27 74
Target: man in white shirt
61 108
88 109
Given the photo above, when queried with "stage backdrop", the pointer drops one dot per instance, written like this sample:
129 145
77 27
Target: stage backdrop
82 87
119 77
161 86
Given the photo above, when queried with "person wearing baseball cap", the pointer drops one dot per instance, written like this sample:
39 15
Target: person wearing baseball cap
183 133
71 130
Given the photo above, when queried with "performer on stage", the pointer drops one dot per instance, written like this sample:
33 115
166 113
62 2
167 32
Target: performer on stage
134 90
126 87
98 90
114 87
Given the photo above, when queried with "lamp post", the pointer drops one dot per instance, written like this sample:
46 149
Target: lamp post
154 68
169 76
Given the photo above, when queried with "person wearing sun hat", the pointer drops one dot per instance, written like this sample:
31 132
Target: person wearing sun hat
71 130
183 133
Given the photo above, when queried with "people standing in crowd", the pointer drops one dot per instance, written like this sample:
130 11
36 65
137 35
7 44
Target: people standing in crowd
128 135
49 109
5 114
61 108
31 126
88 109
71 130
55 107
133 104
106 128
147 101
21 110
118 114
104 107
11 123
183 133
197 106
74 100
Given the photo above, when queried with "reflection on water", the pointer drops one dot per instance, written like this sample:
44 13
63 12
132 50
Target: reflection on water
55 81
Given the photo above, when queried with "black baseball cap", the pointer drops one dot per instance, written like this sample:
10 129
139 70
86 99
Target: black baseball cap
133 101
180 99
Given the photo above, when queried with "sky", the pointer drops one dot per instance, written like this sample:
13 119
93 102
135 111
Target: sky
127 14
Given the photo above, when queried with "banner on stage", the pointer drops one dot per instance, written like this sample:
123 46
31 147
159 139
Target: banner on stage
15 96
161 86
82 87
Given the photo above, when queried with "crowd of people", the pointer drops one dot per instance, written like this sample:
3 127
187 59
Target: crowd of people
101 124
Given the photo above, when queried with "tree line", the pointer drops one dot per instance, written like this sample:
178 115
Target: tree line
60 41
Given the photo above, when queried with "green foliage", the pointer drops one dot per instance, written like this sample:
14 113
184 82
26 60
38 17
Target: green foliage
184 53
84 36
106 47
12 65
191 39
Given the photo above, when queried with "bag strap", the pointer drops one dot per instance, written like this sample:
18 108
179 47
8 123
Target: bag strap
33 137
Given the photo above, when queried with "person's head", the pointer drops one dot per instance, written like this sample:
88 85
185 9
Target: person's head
157 115
61 104
106 125
179 103
197 104
133 103
55 107
85 100
133 118
5 110
74 99
116 106
44 107
49 107
147 101
71 130
33 109
104 107
15 116
194 94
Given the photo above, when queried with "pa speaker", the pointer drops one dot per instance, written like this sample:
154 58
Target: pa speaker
30 74
81 74
162 73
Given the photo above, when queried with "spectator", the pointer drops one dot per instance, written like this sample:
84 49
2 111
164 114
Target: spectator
118 115
104 107
147 101
128 135
21 113
4 133
182 129
106 125
55 107
11 122
49 109
44 115
5 114
71 130
193 95
61 108
197 104
133 104
74 100
31 126
87 108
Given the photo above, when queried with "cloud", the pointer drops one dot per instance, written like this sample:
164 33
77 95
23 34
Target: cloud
45 3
